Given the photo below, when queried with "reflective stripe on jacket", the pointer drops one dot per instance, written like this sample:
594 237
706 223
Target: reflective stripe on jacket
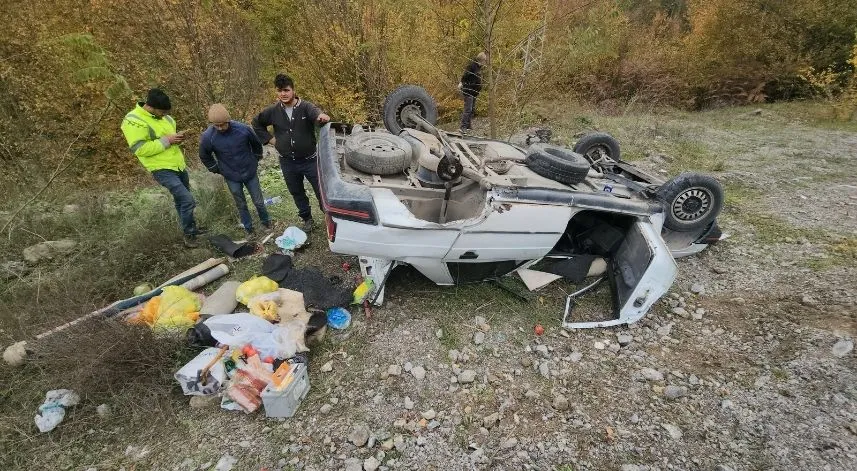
145 133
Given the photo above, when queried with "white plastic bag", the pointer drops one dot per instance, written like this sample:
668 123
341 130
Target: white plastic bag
292 238
188 376
52 411
289 338
237 330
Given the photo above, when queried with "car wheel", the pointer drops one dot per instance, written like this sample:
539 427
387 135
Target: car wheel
692 201
377 153
404 101
597 145
557 163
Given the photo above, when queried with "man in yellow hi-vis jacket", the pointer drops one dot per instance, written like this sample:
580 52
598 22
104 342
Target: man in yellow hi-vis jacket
152 138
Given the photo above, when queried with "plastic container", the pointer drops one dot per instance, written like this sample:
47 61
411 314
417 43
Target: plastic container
273 200
283 403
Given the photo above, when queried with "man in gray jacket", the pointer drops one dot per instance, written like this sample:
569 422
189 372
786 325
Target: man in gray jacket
293 121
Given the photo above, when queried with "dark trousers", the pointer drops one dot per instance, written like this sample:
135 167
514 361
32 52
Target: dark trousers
467 114
255 190
178 183
294 172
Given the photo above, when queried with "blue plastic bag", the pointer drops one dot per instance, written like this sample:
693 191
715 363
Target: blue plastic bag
338 318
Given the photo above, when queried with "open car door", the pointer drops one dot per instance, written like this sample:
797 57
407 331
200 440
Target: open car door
640 271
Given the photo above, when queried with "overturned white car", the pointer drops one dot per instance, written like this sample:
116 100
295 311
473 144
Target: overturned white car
463 209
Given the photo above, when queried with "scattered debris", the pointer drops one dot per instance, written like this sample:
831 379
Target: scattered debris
52 411
292 239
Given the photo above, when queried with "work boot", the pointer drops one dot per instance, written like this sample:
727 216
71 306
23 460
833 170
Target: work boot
307 226
190 241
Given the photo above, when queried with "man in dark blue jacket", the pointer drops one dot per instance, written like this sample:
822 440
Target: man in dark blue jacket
232 149
293 121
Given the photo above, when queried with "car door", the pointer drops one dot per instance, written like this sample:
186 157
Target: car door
511 235
640 271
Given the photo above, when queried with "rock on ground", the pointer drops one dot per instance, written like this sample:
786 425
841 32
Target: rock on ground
674 431
842 348
675 392
466 376
359 435
225 463
651 374
371 464
48 250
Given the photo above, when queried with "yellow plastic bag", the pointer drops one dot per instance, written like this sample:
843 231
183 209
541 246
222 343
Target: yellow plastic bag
149 313
179 308
254 287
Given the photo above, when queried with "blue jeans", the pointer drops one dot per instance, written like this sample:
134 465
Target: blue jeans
178 183
255 190
294 172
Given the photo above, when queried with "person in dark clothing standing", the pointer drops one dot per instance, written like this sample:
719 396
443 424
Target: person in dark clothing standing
293 121
231 149
470 86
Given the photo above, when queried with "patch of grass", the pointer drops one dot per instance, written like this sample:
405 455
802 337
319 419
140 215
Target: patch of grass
845 248
692 154
838 250
393 454
768 228
837 253
449 340
780 374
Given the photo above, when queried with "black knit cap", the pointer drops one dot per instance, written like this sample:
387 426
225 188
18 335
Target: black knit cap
158 100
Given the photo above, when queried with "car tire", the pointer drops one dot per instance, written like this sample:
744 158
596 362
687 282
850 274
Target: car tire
405 100
593 144
377 153
557 163
691 201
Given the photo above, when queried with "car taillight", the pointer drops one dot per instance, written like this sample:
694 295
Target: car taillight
331 228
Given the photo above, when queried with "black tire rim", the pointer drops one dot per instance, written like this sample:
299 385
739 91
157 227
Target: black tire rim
406 109
692 204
